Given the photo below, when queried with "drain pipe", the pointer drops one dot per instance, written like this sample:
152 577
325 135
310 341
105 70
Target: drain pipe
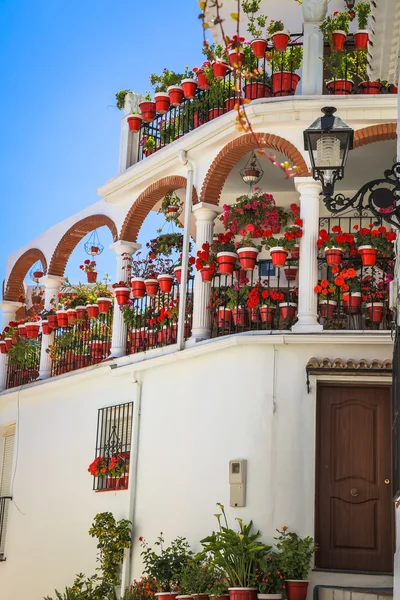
185 249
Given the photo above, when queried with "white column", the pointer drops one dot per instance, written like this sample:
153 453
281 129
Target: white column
119 331
313 46
205 215
9 310
52 285
129 144
309 191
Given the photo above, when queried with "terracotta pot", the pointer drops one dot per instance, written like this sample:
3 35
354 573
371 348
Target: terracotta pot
104 305
93 311
242 593
200 596
280 40
220 69
8 343
37 274
291 273
3 349
278 256
296 590
207 274
361 38
162 102
371 87
94 250
166 595
166 282
368 255
333 256
375 311
259 47
178 273
123 482
53 321
352 303
72 316
175 93
32 330
138 287
111 483
295 253
62 318
338 40
256 90
81 312
202 81
46 329
248 258
224 317
134 122
239 316
189 88
267 314
122 295
393 89
148 110
287 310
91 276
230 103
137 340
22 331
81 361
151 287
284 83
197 121
340 87
152 337
213 113
236 58
327 308
226 262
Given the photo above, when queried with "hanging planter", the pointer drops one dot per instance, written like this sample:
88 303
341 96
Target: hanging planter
371 87
361 38
3 349
368 255
151 287
37 274
239 316
236 58
295 253
134 123
248 258
284 83
352 303
189 88
122 295
46 329
327 308
53 321
291 273
138 287
375 311
226 262
207 274
92 311
280 40
22 330
91 276
287 310
148 110
259 47
278 256
166 282
338 40
213 113
81 312
72 316
256 90
8 343
202 81
62 318
162 102
333 256
175 93
178 274
32 330
267 314
104 305
220 69
224 317
296 589
340 87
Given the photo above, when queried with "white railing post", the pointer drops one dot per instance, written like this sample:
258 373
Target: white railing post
129 144
309 191
313 44
9 310
205 215
119 330
52 285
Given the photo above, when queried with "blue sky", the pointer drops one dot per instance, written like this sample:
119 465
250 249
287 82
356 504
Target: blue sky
61 63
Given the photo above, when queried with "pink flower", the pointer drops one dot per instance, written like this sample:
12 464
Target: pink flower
247 206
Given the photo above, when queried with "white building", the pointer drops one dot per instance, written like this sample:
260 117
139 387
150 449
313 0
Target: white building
306 404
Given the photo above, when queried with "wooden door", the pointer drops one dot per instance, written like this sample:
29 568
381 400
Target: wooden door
354 511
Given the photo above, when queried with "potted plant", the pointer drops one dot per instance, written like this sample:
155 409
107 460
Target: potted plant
283 65
236 296
89 267
264 301
270 579
235 51
202 79
334 244
206 262
250 214
189 84
134 122
295 558
218 56
350 286
360 70
247 250
335 28
224 247
279 36
219 589
148 144
197 579
363 11
120 98
326 293
341 67
255 26
288 304
371 242
148 108
122 293
171 206
375 295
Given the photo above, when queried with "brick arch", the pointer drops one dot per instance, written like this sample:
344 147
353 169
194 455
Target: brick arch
235 150
15 283
146 201
73 236
375 133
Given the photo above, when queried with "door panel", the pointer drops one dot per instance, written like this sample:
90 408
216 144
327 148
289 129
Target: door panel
354 526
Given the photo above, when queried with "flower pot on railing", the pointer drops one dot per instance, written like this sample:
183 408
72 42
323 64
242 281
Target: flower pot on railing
239 316
81 361
340 87
46 329
361 38
287 310
278 256
151 287
338 40
162 102
92 311
8 342
256 90
202 81
267 314
104 305
189 88
197 120
284 83
224 317
207 274
137 340
175 93
32 330
62 318
96 348
352 302
259 47
138 287
236 58
220 69
226 262
148 110
375 311
368 255
295 253
134 123
166 282
280 39
393 89
242 593
333 256
178 274
72 316
22 330
53 321
371 87
290 273
213 113
91 276
248 258
81 312
296 589
3 349
230 103
122 295
327 308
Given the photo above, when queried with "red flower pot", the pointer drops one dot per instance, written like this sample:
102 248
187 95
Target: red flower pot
122 295
189 88
338 40
80 312
248 258
134 122
368 255
280 40
230 103
46 329
138 287
242 593
32 330
93 311
239 274
239 316
122 482
352 303
137 340
259 47
375 311
175 93
3 349
53 321
62 318
197 121
8 342
393 89
166 595
202 81
111 483
220 69
166 282
284 83
296 590
226 262
91 276
72 316
162 102
224 317
178 274
327 308
37 274
207 274
81 361
295 253
267 314
94 250
104 305
213 113
236 58
22 331
256 90
278 256
287 310
333 256
340 87
291 273
148 110
361 39
371 87
151 287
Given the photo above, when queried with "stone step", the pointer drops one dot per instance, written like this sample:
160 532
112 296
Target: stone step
332 593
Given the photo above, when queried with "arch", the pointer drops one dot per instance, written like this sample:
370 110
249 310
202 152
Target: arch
15 283
375 133
73 236
235 150
145 202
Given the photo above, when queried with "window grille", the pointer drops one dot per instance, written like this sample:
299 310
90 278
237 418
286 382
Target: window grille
5 486
113 447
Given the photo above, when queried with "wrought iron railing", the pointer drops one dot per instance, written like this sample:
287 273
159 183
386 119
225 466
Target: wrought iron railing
4 503
21 373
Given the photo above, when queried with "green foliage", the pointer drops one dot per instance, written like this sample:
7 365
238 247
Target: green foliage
256 22
340 65
337 22
167 565
361 63
197 578
113 537
219 587
288 60
215 51
162 82
120 98
295 554
25 353
270 578
275 27
363 11
236 296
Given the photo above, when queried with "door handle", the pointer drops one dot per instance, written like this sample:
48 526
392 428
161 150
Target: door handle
354 492
387 481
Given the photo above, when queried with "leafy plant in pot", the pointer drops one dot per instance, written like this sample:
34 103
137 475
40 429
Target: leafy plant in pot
224 247
284 66
89 267
372 242
334 244
263 302
148 108
218 56
350 287
167 89
335 28
206 262
257 83
270 579
197 579
296 554
327 292
279 36
360 71
219 589
171 207
247 249
256 25
342 67
361 37
236 297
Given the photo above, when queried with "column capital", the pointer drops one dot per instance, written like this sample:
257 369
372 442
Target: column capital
51 282
304 184
123 246
204 211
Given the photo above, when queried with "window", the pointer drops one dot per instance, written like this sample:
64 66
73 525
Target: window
110 467
5 483
267 269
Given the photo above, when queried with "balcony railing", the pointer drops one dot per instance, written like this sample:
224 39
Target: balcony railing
22 373
4 503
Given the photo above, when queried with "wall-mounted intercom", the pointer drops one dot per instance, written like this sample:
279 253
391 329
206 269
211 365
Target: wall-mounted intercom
237 482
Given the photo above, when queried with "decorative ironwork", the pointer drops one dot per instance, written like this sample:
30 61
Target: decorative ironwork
93 247
252 172
36 272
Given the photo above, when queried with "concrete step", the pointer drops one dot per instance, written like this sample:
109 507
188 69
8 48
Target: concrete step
332 593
